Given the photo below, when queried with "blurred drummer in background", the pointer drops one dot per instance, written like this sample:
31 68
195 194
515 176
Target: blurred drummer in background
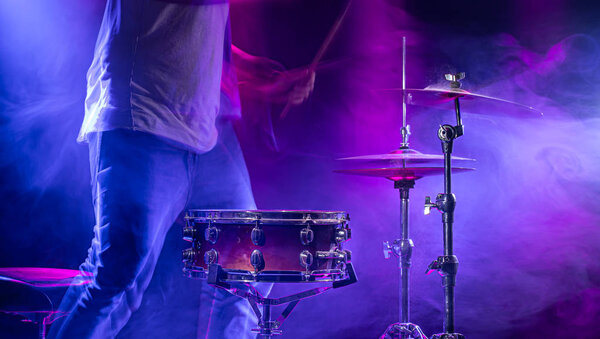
162 94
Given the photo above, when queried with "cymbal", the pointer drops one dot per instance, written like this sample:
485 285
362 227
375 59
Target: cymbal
470 102
44 277
402 173
404 155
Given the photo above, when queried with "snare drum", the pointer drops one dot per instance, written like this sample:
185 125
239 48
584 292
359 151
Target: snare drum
267 246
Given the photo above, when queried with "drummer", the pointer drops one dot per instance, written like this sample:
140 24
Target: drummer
162 94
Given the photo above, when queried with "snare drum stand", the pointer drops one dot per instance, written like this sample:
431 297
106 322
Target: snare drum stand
267 327
447 265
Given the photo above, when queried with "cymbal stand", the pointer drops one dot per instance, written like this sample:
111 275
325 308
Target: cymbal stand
447 265
402 249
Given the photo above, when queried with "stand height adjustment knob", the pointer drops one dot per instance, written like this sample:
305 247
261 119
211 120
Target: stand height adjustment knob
387 250
429 205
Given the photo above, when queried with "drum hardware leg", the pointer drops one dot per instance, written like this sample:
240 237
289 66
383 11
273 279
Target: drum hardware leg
402 249
447 265
267 327
398 330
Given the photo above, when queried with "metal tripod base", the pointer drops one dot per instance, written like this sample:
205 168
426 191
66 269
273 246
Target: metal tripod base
448 336
403 331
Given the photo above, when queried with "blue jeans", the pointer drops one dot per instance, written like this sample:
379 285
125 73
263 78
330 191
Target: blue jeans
141 184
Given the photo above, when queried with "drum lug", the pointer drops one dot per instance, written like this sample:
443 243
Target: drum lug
189 233
348 256
336 255
257 260
306 236
342 234
211 257
189 254
258 236
306 259
211 234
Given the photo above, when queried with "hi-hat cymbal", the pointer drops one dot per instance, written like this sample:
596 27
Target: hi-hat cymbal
470 102
404 155
401 173
44 277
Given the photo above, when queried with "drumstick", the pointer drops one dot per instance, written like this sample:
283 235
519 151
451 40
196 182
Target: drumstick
313 65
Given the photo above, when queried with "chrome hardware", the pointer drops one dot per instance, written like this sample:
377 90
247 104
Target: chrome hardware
337 255
189 233
443 203
348 256
387 249
455 79
306 259
189 254
342 234
211 234
258 236
257 260
401 248
211 257
306 236
429 205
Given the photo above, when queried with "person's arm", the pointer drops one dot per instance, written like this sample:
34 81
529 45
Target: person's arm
266 79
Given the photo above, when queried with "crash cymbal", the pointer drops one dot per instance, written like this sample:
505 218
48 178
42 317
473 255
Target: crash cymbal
470 102
401 173
44 277
405 155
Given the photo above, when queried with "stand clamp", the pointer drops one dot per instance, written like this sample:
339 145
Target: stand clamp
447 267
400 248
445 203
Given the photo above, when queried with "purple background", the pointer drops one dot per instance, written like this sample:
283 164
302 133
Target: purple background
527 229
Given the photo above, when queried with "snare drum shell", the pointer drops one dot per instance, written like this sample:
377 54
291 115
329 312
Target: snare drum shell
282 238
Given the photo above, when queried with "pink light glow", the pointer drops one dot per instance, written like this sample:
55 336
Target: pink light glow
44 277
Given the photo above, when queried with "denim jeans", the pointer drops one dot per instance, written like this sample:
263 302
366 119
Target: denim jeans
140 185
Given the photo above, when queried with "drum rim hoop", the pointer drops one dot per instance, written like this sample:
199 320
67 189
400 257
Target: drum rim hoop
267 216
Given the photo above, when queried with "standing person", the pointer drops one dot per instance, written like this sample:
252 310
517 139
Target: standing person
158 123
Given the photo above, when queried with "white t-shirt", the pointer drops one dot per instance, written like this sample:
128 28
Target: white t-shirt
157 69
